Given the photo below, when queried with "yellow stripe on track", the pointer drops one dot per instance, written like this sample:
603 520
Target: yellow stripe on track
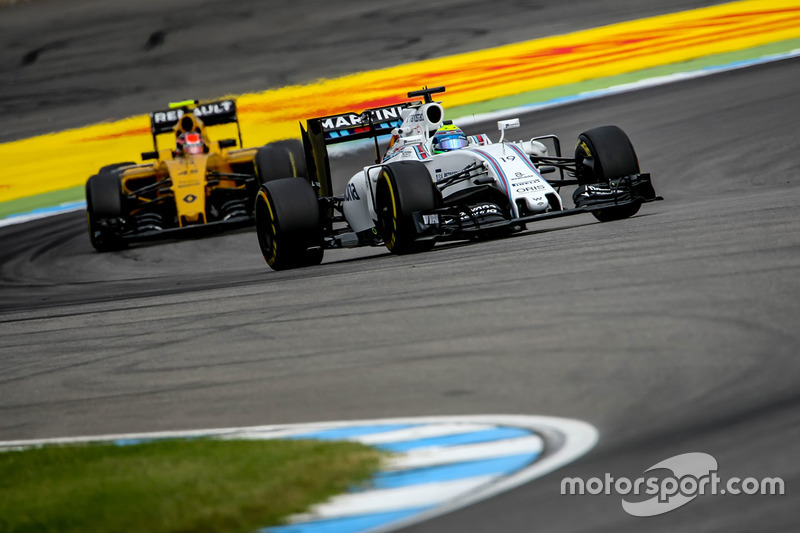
62 160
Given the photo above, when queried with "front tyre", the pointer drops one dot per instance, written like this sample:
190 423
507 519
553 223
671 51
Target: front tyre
403 188
104 211
610 214
603 155
288 224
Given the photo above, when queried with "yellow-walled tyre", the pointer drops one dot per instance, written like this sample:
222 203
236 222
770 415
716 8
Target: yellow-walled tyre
604 154
402 189
288 224
281 159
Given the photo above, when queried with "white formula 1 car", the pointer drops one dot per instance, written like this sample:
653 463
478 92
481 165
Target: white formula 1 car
415 195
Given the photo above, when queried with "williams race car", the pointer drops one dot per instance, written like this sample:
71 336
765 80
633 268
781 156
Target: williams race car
435 183
194 184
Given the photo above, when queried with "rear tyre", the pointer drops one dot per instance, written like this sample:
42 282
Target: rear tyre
604 154
281 159
288 224
104 210
403 188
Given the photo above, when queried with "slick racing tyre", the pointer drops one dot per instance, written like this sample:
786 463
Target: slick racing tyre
282 159
602 155
288 224
103 210
403 188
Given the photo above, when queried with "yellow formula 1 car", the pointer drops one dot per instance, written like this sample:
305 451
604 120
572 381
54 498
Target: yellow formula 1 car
196 184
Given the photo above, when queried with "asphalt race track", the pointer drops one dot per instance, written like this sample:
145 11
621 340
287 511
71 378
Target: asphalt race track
675 331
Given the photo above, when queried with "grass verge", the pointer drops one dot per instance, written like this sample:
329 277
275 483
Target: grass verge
174 485
41 201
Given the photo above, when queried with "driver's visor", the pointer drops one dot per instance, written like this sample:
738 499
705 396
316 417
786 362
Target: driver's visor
453 143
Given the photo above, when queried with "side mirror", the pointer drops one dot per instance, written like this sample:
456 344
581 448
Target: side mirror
227 143
507 124
149 155
503 125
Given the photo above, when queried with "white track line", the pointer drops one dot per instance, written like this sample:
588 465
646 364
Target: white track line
384 500
421 432
426 457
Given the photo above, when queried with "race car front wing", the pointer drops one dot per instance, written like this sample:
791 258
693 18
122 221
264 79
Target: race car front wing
446 221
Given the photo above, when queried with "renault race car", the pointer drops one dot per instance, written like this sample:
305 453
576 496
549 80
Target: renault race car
191 184
413 197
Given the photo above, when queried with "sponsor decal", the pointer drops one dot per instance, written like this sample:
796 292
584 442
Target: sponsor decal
523 176
592 191
442 175
164 117
214 109
351 120
530 188
350 193
344 121
189 198
524 158
481 210
186 173
217 108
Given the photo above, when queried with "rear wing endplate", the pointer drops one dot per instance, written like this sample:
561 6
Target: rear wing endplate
334 129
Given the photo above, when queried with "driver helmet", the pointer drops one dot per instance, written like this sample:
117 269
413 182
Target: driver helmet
448 138
190 143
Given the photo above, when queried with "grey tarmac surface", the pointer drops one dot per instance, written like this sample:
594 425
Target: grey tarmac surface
672 332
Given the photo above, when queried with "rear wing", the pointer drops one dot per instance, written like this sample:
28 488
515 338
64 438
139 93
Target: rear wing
334 129
210 113
353 126
320 132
